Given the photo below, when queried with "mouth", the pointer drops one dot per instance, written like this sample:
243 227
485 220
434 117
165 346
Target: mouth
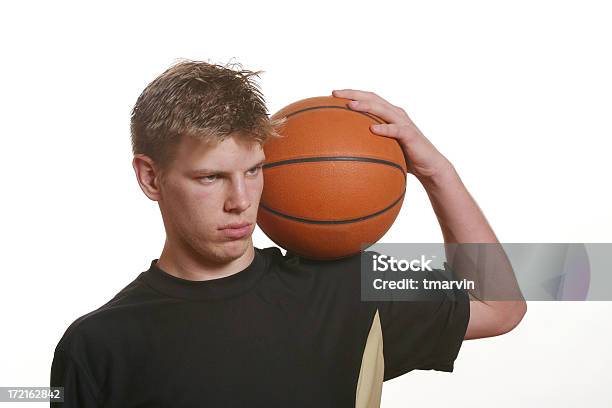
235 225
236 230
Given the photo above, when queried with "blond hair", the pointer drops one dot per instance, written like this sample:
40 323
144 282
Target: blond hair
198 99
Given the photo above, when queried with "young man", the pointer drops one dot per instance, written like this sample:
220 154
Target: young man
216 322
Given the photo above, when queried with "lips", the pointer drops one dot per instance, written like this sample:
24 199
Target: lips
236 225
236 230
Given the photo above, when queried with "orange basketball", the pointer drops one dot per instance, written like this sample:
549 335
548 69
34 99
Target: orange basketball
331 186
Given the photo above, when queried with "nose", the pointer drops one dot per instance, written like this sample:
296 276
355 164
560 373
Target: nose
237 198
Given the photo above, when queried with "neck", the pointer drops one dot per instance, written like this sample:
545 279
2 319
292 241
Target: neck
189 265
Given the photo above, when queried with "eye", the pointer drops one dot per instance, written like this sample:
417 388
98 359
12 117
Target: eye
209 179
254 170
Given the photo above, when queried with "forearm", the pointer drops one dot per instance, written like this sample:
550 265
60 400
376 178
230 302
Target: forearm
463 222
460 218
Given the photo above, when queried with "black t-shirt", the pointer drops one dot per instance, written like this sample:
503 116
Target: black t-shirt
284 332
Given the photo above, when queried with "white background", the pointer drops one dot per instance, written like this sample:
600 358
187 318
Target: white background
515 94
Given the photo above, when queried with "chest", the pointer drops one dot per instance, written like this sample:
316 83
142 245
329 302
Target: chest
205 357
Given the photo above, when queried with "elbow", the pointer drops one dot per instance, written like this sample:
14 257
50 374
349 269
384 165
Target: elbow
512 316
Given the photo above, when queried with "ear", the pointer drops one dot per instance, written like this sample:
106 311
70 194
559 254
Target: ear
148 176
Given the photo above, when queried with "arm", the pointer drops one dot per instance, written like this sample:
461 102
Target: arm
79 389
460 218
462 221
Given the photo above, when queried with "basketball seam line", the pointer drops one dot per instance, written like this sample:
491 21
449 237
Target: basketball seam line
307 221
369 115
334 158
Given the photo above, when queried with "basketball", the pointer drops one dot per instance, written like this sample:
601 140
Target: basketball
331 186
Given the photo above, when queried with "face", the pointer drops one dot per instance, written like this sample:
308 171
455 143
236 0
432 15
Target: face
206 189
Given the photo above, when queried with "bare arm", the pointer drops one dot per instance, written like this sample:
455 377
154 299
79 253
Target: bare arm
459 216
462 221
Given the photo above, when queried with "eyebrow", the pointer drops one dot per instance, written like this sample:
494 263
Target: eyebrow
211 171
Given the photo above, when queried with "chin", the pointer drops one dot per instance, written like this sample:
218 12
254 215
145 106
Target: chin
231 250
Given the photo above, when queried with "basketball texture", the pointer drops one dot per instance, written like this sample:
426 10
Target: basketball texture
331 186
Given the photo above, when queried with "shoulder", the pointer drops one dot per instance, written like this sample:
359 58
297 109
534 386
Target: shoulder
333 267
93 328
338 278
274 254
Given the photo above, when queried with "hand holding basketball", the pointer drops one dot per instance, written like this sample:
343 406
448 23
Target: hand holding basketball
423 159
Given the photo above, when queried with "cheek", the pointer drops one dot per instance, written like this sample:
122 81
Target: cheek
204 203
256 189
192 204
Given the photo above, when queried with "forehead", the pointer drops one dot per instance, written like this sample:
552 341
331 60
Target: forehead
231 153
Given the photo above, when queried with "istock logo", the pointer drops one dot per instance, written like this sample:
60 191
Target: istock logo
382 263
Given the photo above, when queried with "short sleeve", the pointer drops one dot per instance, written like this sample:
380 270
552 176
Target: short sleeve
424 334
79 391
